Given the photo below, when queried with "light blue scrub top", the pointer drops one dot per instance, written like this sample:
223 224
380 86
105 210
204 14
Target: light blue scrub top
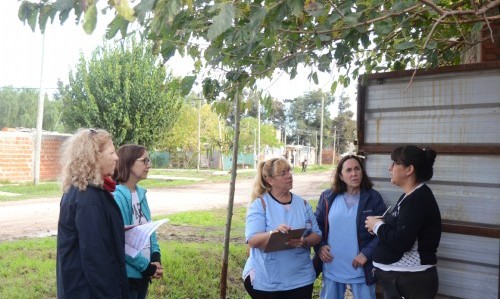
286 269
343 242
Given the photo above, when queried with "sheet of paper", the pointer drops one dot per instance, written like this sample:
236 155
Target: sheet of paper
137 236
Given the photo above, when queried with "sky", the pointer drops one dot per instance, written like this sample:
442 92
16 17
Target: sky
21 57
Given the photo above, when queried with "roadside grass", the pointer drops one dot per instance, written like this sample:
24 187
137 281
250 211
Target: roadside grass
53 189
192 248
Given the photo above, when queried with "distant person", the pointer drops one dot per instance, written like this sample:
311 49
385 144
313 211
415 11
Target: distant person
346 248
304 165
133 166
287 273
90 235
405 257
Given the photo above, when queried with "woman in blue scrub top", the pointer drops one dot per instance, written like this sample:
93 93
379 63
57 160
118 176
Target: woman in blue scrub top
285 274
346 248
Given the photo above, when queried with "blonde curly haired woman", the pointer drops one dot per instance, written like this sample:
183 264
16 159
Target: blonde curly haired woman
91 237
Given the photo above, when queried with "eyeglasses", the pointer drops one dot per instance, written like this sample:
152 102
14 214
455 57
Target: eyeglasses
146 160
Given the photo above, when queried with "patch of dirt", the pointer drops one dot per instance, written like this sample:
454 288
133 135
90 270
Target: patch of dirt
195 234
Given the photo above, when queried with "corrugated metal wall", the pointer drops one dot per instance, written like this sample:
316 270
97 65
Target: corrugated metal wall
457 112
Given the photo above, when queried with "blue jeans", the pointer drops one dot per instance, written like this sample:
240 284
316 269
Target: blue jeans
336 290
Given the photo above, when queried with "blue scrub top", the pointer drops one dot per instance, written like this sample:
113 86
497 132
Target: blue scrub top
286 269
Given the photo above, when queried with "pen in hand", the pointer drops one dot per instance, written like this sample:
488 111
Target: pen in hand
385 212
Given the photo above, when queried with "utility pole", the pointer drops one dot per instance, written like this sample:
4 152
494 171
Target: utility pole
39 121
321 131
258 133
334 144
199 134
255 158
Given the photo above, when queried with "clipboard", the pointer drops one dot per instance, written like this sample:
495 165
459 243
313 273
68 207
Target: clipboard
279 241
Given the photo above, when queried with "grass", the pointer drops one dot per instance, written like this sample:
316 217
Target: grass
191 245
52 189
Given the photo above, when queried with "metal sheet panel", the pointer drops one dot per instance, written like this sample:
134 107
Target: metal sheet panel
453 108
466 188
462 109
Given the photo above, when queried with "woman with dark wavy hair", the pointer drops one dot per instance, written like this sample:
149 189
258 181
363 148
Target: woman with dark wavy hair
346 248
405 257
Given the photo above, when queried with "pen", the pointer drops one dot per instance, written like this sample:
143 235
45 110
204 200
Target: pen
385 212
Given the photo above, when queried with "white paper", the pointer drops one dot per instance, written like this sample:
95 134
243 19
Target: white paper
137 236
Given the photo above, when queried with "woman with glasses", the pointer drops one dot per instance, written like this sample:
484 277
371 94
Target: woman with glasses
133 166
405 257
287 273
90 235
345 252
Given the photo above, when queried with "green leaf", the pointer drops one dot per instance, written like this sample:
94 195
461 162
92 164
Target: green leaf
404 46
116 24
432 44
90 19
333 87
222 22
63 4
187 84
143 8
315 78
296 8
123 8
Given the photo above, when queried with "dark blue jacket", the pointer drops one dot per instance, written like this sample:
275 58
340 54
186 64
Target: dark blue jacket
370 204
90 246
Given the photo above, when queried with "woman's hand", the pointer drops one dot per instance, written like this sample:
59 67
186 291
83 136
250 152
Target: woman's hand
159 270
324 254
371 221
359 260
283 228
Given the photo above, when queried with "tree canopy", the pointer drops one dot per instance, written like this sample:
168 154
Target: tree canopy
304 118
246 40
344 126
123 89
19 109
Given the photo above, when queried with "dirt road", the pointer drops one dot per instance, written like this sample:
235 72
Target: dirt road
38 217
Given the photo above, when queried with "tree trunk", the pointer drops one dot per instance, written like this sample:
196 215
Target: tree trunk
234 166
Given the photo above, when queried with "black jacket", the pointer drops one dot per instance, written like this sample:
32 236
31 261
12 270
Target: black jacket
90 246
370 204
419 220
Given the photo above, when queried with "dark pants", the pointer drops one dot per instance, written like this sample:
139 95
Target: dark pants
409 285
138 288
298 293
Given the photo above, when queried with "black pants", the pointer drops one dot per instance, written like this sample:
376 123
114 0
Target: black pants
138 288
409 285
298 293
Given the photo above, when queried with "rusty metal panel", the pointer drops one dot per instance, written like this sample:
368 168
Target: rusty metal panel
468 266
457 108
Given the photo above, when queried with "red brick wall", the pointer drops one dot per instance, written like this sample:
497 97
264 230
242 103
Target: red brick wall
17 151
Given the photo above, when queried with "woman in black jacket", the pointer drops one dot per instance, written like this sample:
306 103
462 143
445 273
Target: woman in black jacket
405 257
91 235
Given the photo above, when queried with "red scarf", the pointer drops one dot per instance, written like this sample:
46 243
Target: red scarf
109 185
